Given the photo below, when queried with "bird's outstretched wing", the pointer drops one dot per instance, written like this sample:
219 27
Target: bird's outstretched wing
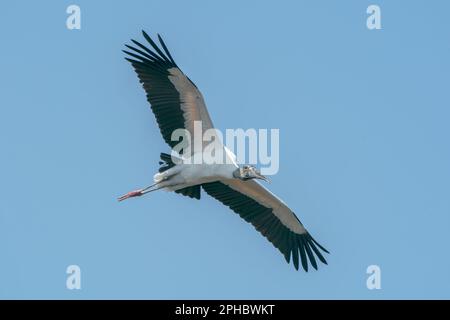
174 98
271 217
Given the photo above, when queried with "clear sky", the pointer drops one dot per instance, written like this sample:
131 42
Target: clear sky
364 155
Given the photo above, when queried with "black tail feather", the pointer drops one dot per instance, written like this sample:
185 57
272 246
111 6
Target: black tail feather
167 163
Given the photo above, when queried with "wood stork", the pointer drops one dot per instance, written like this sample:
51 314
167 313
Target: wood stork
176 102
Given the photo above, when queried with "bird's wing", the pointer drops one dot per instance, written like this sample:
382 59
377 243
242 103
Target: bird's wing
174 98
271 217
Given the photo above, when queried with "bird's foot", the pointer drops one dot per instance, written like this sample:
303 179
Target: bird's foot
136 193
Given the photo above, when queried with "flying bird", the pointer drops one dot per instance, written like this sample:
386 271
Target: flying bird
177 103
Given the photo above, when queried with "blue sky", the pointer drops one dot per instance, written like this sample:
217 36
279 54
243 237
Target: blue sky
364 155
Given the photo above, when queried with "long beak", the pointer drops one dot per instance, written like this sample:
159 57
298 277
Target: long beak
261 177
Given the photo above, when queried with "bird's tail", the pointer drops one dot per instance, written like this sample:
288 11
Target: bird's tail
167 163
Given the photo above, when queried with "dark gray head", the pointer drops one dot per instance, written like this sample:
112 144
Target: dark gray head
248 172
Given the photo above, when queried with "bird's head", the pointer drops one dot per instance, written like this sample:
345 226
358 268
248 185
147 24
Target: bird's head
249 172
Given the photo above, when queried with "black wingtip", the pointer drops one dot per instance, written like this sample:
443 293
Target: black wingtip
145 34
316 251
287 256
294 246
155 47
304 248
166 50
323 249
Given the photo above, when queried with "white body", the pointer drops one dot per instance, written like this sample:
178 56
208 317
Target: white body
187 174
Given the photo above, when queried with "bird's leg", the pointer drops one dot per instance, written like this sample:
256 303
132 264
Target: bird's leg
140 192
151 190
